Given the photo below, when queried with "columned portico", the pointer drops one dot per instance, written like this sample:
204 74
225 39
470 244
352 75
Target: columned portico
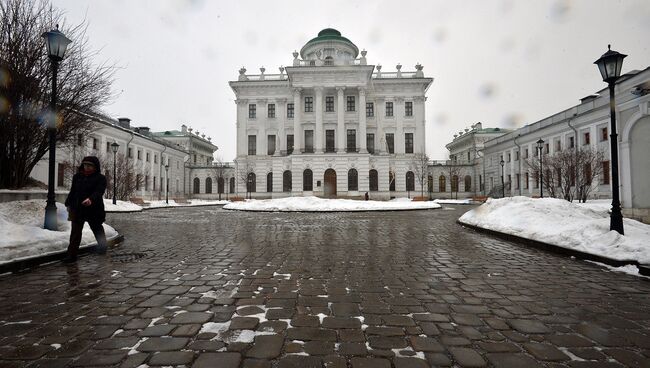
340 120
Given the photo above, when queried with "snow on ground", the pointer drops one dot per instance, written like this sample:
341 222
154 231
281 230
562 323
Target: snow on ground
561 223
120 206
191 202
314 204
23 236
600 205
454 201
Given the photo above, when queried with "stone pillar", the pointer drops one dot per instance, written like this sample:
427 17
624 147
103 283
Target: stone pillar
420 130
297 132
362 120
340 127
281 118
242 139
380 113
399 126
262 121
318 134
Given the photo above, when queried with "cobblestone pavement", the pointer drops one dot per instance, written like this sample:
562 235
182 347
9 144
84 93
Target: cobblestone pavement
204 287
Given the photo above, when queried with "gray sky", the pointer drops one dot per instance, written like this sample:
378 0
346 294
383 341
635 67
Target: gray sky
504 63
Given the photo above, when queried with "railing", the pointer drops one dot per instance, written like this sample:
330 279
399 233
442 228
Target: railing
389 75
331 62
265 77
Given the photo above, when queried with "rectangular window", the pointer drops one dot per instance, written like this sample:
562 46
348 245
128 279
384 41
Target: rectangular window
329 103
558 146
146 182
509 157
270 110
408 142
139 155
468 156
147 157
329 141
60 175
270 144
517 183
289 144
95 143
195 158
252 111
350 106
309 141
389 109
309 104
546 148
352 140
154 183
390 142
526 181
408 108
586 171
138 181
370 142
370 109
155 159
526 153
571 142
516 155
252 145
289 111
536 179
603 134
80 140
586 138
605 175
108 146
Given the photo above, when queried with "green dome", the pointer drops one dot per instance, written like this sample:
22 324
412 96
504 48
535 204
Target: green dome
329 34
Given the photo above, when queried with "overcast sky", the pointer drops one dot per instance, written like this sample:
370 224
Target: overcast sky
504 63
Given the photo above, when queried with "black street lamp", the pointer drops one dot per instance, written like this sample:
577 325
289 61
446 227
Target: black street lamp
540 147
114 147
167 182
503 185
56 45
610 65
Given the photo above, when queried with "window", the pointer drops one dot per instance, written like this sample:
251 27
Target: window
289 144
251 183
220 185
526 180
147 157
468 156
509 157
231 187
270 110
546 148
289 111
309 104
329 140
208 185
526 153
603 134
252 145
350 105
518 178
370 142
408 108
353 180
307 180
309 141
130 152
80 140
269 182
155 159
586 139
558 146
468 183
410 181
154 183
352 140
270 140
454 183
138 181
329 103
408 142
536 179
252 111
370 109
286 181
139 155
391 181
430 184
390 142
95 143
389 109
194 158
108 146
605 176
197 185
442 184
60 175
374 180
516 155
146 182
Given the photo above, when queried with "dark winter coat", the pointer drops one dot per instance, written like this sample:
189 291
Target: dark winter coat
93 187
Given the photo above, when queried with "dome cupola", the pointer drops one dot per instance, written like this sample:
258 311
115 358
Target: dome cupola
329 45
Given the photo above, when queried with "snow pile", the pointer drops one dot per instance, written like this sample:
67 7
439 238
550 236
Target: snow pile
23 236
314 204
564 224
120 206
454 201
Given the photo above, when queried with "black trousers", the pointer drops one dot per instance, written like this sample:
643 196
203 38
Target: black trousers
75 237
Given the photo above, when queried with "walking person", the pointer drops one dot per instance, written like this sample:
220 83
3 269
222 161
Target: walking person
85 204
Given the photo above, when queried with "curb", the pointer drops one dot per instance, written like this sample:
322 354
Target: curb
161 207
643 269
26 263
341 211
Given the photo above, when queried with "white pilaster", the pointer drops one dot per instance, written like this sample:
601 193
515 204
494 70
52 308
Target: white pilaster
281 118
242 138
362 121
340 115
399 125
420 130
297 132
380 113
318 134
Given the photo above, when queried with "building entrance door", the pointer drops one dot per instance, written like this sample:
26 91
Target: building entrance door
330 183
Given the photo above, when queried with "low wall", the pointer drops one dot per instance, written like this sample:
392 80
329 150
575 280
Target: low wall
639 214
23 195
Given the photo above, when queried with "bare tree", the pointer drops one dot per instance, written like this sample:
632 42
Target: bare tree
589 167
25 86
454 174
420 164
219 168
246 172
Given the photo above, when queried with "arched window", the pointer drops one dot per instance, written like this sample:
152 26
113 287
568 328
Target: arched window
208 185
269 182
391 181
220 185
374 180
454 183
410 181
353 180
251 183
468 183
442 184
430 184
197 185
232 185
286 181
329 60
307 180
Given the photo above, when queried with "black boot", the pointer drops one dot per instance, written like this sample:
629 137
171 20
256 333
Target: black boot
69 259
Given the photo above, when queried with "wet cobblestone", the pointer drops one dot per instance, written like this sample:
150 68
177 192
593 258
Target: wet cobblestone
397 289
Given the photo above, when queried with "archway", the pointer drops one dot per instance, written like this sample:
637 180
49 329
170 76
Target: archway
197 184
330 183
639 152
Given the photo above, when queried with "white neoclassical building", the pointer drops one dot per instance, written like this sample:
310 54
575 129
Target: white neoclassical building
329 125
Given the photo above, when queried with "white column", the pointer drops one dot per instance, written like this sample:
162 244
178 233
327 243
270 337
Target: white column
340 115
281 118
318 134
262 121
420 130
399 125
297 132
242 139
380 113
362 120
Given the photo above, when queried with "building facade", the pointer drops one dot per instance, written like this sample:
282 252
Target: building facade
331 126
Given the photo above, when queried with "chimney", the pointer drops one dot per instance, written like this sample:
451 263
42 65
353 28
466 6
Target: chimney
144 130
124 123
183 128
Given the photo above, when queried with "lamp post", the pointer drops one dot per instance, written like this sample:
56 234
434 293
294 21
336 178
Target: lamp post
114 147
610 64
503 185
167 183
56 44
540 147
